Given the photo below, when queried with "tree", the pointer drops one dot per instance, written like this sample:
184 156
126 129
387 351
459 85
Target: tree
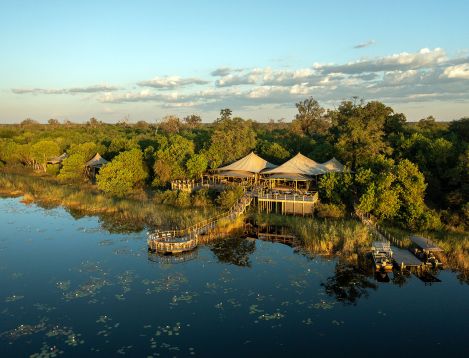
197 165
273 152
231 139
44 150
53 122
123 174
310 119
171 124
170 158
225 114
358 130
73 167
193 121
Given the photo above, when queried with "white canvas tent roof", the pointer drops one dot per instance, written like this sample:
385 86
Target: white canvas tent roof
57 160
251 163
235 174
333 165
97 161
299 164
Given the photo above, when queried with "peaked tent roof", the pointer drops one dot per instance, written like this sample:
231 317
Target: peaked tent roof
251 163
299 164
96 161
58 159
333 165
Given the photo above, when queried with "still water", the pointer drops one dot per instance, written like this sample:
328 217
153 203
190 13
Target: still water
69 288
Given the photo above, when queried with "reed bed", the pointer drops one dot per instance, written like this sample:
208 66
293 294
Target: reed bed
343 237
135 213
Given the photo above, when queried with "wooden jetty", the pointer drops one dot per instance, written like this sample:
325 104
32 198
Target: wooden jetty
178 241
404 259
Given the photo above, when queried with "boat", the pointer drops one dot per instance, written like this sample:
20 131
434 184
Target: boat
426 250
382 256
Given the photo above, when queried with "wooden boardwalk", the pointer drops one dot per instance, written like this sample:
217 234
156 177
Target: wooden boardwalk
177 241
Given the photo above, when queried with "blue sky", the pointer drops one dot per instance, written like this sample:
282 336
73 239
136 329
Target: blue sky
147 59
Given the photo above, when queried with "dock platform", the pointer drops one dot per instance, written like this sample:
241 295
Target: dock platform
404 258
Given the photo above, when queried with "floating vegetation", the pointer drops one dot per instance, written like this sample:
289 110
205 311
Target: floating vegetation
185 297
337 323
169 330
169 283
24 330
90 288
323 305
254 310
271 316
47 352
72 339
63 285
43 307
308 321
13 298
16 275
124 350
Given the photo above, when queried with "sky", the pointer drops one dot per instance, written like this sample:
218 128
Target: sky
143 60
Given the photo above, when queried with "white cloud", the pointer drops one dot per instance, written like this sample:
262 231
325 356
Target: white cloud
73 90
398 62
458 71
171 82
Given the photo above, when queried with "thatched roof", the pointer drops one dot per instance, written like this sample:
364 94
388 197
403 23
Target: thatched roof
97 161
333 165
57 160
251 163
298 165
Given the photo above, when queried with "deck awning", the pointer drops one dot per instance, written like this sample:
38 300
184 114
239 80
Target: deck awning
289 176
235 174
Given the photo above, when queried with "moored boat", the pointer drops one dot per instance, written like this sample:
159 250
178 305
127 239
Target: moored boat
382 256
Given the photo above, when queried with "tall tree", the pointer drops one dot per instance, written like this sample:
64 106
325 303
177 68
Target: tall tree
310 119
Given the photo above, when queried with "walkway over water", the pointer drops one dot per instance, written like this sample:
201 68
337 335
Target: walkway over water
177 241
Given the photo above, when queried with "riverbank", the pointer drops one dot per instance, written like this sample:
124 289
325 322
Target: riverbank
141 210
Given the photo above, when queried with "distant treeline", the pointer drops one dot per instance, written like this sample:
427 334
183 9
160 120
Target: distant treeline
413 174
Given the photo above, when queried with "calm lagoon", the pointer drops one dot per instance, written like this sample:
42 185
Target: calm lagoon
70 288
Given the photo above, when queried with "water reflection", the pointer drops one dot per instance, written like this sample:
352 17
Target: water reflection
349 283
234 251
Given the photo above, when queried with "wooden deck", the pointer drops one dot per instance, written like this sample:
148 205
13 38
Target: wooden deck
404 258
287 203
178 241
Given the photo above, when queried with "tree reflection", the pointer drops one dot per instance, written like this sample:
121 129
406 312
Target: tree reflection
349 283
235 251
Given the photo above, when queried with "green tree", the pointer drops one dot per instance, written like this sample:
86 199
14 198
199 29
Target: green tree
310 119
231 139
44 150
170 159
197 165
123 174
358 131
193 121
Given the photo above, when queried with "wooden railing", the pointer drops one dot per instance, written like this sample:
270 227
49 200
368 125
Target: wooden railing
186 239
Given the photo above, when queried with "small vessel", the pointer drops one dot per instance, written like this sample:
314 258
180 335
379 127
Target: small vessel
382 256
426 251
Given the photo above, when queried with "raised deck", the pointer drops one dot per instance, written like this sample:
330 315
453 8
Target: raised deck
425 244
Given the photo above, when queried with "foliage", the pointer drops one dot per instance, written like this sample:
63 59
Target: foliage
123 174
229 197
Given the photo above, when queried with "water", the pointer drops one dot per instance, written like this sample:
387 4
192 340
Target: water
69 288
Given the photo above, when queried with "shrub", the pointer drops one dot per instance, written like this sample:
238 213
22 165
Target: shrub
330 211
